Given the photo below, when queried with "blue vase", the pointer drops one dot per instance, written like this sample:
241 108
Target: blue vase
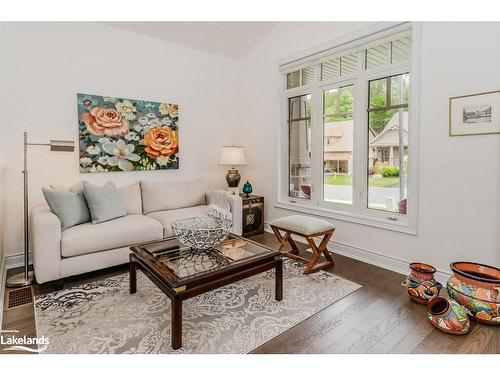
247 188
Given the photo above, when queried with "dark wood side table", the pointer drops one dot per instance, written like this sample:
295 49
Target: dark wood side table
182 273
253 215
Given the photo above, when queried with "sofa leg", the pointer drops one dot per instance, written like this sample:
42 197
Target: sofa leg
58 285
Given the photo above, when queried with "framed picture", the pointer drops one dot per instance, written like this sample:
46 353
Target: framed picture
475 114
121 135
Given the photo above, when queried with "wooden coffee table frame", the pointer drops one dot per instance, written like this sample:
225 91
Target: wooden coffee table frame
318 250
178 291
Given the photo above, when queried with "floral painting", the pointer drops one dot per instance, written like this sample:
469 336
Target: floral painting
119 134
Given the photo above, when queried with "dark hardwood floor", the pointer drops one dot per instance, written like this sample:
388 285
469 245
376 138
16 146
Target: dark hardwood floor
378 318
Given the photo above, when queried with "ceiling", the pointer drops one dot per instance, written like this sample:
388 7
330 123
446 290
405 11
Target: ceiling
230 39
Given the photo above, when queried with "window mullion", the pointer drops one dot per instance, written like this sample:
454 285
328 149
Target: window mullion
316 140
359 149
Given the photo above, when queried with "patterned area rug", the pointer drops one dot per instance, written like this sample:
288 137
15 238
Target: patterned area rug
102 317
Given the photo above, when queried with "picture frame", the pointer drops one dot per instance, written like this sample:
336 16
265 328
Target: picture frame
475 114
123 135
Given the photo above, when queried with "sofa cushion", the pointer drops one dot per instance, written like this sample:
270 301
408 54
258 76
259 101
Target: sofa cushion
170 196
69 206
131 196
105 202
167 217
125 231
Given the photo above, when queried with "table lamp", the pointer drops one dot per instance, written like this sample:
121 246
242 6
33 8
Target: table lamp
232 156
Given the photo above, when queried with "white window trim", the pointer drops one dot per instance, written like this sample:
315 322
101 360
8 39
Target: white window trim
358 212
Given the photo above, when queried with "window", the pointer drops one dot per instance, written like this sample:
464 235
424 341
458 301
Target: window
299 130
388 143
299 77
337 152
348 137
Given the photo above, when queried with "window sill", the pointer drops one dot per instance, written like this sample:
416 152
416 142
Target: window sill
396 226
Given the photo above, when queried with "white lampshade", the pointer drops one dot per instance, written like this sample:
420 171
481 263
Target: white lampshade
232 155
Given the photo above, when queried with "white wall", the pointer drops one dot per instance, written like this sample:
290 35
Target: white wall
459 210
43 66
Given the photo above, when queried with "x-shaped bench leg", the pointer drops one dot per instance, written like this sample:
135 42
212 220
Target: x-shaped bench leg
317 251
284 239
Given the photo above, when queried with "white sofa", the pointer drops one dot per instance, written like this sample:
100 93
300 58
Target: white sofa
151 208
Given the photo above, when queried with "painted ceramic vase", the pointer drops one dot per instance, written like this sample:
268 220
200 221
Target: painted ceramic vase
448 316
421 284
477 288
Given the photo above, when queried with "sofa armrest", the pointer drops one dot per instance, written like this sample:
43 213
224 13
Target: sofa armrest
236 208
45 244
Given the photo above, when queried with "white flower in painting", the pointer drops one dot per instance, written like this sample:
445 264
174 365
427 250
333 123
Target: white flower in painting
96 168
132 136
122 154
103 160
143 120
166 121
162 160
109 99
150 115
93 150
126 109
85 161
154 123
137 128
103 140
163 108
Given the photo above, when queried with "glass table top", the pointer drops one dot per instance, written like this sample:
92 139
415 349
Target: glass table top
186 263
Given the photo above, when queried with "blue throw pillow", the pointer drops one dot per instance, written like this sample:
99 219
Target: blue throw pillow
69 206
105 202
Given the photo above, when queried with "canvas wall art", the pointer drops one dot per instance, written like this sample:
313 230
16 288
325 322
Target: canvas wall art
118 134
475 114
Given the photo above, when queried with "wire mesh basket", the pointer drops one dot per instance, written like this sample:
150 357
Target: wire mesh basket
202 232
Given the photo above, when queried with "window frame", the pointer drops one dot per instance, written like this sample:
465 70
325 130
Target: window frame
358 212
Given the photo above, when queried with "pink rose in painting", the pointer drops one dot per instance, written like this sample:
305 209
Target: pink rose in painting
103 121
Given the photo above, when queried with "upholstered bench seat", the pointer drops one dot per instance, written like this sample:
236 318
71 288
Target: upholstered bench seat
309 228
303 224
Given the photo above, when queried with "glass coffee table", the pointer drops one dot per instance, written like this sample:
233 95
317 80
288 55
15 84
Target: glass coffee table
182 273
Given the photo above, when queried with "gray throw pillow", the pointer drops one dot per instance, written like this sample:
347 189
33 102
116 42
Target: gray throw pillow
69 206
105 202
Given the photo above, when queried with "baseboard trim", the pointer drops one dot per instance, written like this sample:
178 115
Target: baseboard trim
16 260
371 257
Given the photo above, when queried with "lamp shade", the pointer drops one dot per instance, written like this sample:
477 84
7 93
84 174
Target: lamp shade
232 155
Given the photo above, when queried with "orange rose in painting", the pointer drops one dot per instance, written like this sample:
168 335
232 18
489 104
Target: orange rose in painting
161 142
104 121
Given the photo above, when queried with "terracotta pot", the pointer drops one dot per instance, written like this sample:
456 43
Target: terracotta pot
421 284
477 288
448 316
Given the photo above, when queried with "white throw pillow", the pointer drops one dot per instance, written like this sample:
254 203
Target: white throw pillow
170 196
131 196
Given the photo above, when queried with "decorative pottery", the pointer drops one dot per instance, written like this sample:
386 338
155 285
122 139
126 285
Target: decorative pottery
247 188
421 284
477 288
448 316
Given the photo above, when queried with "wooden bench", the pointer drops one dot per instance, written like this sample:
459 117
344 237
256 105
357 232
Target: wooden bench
309 228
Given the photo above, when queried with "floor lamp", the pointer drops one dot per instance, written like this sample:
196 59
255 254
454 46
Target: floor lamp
26 277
